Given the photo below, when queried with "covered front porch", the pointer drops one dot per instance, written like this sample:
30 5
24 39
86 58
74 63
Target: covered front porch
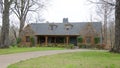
42 39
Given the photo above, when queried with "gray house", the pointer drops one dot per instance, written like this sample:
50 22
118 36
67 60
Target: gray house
65 32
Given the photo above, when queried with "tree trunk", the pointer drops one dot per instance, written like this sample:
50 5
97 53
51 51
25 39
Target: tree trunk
116 47
105 24
21 28
22 18
5 26
105 28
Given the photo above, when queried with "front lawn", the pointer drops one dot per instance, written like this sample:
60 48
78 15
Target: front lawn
73 60
29 49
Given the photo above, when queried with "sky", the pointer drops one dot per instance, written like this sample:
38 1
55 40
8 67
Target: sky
56 10
74 10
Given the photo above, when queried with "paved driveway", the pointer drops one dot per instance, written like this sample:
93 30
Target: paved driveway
8 59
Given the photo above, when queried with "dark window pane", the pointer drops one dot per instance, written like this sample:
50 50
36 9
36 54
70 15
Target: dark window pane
88 40
27 38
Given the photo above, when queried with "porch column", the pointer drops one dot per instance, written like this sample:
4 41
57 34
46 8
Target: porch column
46 40
36 40
67 40
55 40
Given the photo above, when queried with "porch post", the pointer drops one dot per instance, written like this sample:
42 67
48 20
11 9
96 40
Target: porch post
46 40
55 40
67 40
36 40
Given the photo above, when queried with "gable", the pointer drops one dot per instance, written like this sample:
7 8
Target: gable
88 30
28 31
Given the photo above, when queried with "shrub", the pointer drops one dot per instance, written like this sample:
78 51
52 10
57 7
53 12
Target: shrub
50 45
100 46
80 39
38 45
70 46
81 45
61 45
32 41
89 46
97 40
18 40
13 46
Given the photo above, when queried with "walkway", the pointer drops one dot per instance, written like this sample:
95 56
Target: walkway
8 59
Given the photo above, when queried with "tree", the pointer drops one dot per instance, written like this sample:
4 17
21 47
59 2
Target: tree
14 30
5 7
105 12
116 47
21 9
112 33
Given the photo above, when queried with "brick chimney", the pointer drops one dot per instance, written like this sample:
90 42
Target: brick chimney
65 20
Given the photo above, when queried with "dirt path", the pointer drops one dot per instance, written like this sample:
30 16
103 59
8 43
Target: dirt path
8 59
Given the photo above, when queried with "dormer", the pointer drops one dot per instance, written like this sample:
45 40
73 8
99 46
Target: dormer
52 26
68 26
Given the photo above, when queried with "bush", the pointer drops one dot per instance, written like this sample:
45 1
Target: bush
18 40
13 46
80 39
50 45
89 46
61 45
38 45
70 46
32 41
83 45
100 46
97 40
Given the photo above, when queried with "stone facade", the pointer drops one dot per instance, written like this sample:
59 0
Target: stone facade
89 32
27 32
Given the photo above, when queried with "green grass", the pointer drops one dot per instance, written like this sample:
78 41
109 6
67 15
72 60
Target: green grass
73 60
30 49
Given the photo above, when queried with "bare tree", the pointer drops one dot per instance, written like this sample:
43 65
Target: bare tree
21 9
112 33
13 34
5 7
105 11
14 30
116 47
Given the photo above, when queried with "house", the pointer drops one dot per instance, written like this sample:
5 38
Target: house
65 32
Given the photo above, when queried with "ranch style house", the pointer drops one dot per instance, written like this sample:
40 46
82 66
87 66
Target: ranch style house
65 32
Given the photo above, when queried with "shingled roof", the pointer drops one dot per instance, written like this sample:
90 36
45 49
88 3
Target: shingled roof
60 28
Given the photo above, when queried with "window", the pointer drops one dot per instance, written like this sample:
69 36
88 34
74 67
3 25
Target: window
68 27
88 40
51 28
27 38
